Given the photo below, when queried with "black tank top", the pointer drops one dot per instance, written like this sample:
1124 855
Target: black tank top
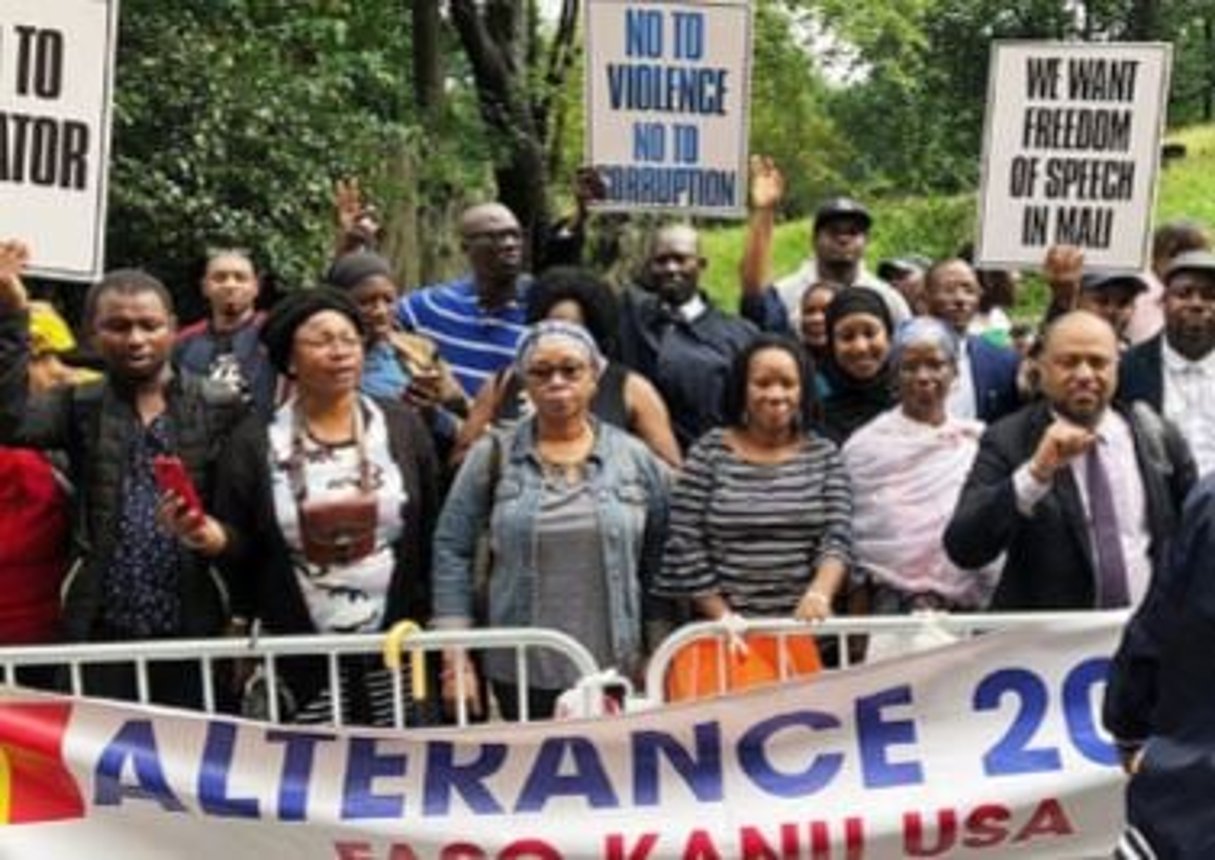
608 405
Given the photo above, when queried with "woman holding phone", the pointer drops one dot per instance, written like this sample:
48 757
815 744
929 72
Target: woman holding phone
322 520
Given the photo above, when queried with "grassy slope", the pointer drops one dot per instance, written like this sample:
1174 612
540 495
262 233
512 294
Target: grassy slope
937 226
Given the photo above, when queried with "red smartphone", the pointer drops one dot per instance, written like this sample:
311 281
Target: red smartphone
171 475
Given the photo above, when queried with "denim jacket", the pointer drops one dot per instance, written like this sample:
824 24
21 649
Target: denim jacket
630 485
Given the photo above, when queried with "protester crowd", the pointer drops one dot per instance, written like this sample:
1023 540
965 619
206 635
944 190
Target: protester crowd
503 450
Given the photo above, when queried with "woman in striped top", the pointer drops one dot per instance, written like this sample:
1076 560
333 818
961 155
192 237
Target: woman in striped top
761 517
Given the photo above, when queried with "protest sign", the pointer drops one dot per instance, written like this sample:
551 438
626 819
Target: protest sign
1071 152
56 84
667 90
988 748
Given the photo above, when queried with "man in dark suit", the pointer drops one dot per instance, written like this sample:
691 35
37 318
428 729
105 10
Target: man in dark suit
986 383
1082 496
1174 372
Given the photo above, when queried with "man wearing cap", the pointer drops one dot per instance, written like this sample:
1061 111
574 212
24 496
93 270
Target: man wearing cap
1109 295
1174 372
841 230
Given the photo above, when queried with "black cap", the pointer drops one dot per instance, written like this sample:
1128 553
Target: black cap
1094 281
1190 261
840 209
899 267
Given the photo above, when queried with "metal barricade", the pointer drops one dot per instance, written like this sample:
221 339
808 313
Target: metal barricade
72 663
844 633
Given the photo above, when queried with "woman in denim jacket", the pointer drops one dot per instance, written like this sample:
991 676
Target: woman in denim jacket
576 511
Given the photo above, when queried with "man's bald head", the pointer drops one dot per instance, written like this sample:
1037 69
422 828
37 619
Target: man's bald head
1079 366
675 263
493 242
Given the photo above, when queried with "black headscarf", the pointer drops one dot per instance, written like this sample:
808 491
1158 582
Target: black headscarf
278 332
848 402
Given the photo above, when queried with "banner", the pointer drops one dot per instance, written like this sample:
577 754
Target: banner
1071 152
56 83
667 92
988 748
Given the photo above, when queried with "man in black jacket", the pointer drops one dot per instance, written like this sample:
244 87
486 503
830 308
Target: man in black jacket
1081 495
132 579
677 339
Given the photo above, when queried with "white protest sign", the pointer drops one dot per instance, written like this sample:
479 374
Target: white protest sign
988 748
667 91
1071 152
56 84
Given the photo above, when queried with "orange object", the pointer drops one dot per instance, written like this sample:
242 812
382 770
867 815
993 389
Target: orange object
696 671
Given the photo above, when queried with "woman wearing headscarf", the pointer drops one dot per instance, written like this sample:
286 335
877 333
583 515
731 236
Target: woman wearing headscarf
322 521
907 468
576 511
855 383
623 397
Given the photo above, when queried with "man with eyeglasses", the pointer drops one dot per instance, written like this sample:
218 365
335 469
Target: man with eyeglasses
476 320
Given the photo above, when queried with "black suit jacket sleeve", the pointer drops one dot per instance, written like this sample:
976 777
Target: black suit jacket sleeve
985 518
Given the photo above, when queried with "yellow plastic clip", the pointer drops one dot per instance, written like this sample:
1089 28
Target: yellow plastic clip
417 659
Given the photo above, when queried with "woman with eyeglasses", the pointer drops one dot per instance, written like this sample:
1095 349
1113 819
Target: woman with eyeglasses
623 397
322 521
576 512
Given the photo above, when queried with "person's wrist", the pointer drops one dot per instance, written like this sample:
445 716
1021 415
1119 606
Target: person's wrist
1040 472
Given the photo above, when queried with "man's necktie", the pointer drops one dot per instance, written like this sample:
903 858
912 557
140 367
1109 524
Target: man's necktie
1111 566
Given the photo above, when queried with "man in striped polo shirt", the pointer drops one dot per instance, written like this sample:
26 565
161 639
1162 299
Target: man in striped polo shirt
477 319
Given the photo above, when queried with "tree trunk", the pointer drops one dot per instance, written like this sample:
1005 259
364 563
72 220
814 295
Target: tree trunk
502 51
1208 50
1144 21
427 61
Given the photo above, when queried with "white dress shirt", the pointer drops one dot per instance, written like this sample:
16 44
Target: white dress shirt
961 400
1189 402
1117 452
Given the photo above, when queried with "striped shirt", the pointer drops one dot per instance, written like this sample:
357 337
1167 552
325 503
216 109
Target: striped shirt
476 342
755 533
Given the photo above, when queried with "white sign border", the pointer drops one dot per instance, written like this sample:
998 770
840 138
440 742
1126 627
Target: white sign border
736 212
1166 49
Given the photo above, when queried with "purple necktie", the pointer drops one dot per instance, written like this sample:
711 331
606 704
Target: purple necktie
1111 566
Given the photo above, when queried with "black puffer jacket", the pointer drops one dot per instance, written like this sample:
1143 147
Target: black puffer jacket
93 425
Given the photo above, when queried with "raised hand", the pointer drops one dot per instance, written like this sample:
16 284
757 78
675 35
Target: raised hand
1062 269
14 255
767 183
347 202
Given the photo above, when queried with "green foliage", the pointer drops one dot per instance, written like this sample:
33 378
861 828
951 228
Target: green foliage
789 117
234 117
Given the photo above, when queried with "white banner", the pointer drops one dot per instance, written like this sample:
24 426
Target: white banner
988 748
56 84
1071 152
667 92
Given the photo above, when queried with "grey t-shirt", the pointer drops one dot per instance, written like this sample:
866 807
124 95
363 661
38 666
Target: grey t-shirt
571 585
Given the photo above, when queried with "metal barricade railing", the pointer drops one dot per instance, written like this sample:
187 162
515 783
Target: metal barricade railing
71 663
837 633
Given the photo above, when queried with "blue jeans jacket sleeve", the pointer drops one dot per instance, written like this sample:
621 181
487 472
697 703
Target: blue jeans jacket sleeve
464 517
